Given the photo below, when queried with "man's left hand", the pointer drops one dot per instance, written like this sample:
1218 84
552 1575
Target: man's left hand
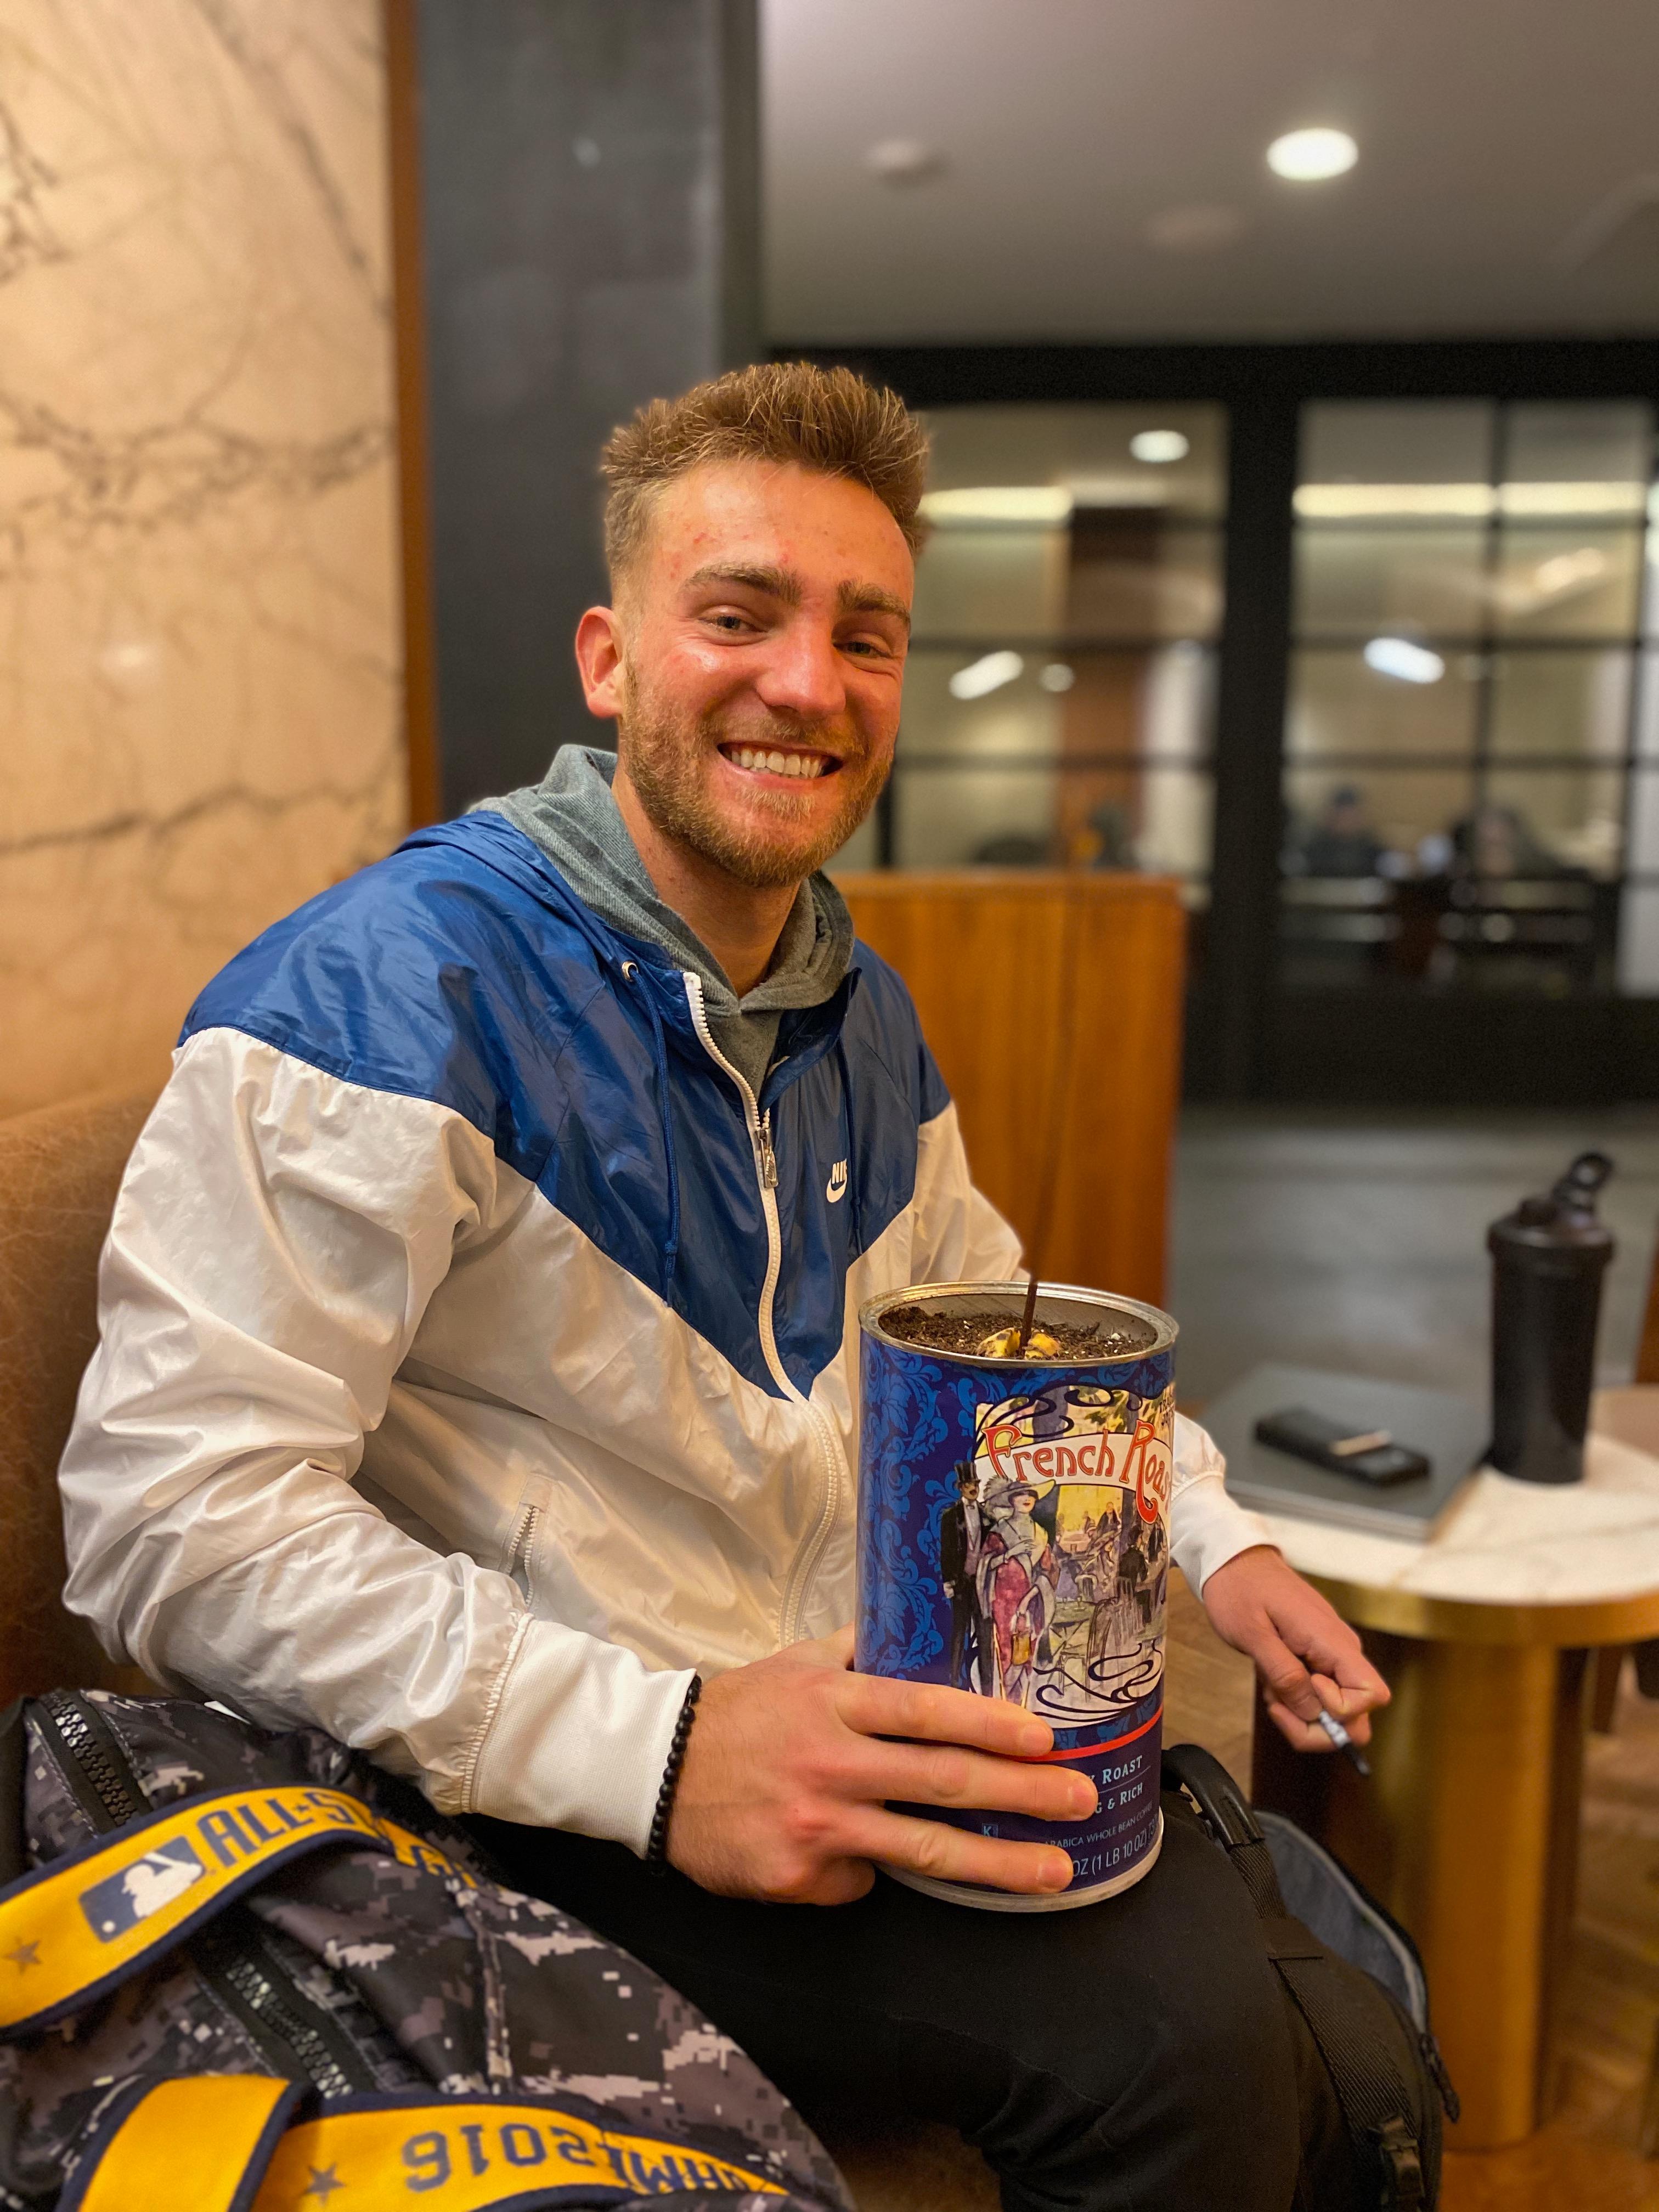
1308 1658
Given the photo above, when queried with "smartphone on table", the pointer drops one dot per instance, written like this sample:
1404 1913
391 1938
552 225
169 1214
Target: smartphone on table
1365 1455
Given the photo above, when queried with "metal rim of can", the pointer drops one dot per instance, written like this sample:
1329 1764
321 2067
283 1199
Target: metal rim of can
1167 1327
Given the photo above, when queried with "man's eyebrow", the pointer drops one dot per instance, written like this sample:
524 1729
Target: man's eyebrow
871 600
777 583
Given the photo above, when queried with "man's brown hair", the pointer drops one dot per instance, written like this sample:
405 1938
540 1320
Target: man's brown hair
827 420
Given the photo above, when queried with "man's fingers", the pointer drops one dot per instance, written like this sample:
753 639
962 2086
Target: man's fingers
1287 1680
916 1774
945 1854
924 1713
1348 1706
1354 1683
1307 1735
1296 1732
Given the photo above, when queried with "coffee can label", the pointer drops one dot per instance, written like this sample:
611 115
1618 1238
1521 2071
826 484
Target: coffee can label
1013 1542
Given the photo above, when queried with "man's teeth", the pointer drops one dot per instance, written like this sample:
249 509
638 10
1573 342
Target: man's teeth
801 764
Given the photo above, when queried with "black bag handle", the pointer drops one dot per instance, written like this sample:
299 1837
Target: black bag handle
1199 1777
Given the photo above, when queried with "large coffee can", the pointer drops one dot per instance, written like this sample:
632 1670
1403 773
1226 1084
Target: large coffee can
1014 1542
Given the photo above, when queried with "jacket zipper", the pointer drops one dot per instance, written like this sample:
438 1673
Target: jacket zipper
810 1551
519 1553
298 2041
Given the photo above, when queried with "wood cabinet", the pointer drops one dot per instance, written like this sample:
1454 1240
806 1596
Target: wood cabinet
1053 1003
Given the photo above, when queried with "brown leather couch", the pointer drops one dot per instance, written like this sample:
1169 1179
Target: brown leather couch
59 1171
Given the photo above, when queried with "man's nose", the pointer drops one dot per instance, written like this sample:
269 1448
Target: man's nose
803 674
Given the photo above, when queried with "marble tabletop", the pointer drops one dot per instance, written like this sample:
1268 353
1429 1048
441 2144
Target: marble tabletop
1508 1543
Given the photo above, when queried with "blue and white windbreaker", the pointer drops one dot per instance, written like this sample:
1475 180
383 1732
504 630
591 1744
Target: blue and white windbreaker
479 1353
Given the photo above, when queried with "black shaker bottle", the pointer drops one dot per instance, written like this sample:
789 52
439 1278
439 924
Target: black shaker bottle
1548 1259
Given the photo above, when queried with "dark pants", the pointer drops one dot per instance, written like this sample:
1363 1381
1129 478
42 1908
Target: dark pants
1129 2057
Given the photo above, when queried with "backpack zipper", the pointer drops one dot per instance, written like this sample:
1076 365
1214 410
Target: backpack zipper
298 2041
810 1551
285 2025
90 1762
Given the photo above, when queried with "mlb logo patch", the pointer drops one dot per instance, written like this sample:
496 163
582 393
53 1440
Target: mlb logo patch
121 1900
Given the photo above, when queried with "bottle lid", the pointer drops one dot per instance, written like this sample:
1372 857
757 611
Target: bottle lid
1562 1219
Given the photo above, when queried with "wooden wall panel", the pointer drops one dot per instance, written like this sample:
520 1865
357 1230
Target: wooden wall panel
1053 1003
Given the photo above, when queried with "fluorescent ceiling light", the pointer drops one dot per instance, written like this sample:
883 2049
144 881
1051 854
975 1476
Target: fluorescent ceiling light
1569 571
1128 490
1044 505
1306 157
1399 658
987 674
1160 446
1355 502
1567 498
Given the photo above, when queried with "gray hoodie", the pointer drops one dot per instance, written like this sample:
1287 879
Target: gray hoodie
572 816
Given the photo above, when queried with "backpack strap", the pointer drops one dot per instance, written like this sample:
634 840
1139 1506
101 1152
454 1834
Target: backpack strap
461 2154
82 1924
1213 1794
1367 2084
1368 2088
197 2142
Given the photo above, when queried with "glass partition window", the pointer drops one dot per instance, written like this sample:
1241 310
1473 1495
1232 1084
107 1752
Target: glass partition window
1059 697
1471 726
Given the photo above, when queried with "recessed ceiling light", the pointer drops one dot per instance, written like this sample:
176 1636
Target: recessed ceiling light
1406 662
1201 230
1057 676
1160 446
1307 156
904 160
989 673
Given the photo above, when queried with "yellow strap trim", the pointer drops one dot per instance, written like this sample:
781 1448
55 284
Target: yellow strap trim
72 1928
461 2155
187 2145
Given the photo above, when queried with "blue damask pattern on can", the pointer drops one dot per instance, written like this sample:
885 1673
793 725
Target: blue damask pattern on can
904 1397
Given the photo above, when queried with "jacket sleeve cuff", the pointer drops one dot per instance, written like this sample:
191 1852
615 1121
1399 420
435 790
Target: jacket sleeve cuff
1206 1526
580 1737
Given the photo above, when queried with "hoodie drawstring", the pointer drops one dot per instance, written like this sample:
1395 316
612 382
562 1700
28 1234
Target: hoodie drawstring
659 1048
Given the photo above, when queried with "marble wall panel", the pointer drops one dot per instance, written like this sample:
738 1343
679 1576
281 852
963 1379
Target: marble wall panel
200 711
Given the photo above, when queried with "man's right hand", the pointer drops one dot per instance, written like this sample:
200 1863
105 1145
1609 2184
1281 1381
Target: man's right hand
790 1765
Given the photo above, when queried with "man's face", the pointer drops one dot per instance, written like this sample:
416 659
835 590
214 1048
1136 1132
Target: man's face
762 631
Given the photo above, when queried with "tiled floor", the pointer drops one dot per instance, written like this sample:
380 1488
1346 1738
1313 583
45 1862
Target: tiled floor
1331 1240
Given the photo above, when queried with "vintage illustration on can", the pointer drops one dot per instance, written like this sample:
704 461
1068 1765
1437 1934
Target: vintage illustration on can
1054 1555
1013 1541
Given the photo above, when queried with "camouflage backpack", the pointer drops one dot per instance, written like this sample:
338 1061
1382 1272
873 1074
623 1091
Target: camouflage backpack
247 1972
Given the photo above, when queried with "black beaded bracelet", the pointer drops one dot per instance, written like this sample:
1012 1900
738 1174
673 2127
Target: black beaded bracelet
656 1850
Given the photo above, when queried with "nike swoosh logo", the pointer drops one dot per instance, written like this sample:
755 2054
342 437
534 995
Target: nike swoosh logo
835 1189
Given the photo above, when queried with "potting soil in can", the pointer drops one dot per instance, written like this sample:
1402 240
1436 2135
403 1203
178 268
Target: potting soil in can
1013 1541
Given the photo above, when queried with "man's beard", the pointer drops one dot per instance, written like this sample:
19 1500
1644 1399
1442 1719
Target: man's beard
664 761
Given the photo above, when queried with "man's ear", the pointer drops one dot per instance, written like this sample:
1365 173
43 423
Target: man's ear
599 663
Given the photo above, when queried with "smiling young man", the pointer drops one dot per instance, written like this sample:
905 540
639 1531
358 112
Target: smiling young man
475 1371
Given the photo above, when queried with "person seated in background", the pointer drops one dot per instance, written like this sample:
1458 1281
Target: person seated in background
1342 842
1495 842
477 1368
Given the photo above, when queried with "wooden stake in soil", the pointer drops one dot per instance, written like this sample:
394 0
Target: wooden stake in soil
1028 1315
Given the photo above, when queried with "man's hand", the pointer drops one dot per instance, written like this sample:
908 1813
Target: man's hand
790 1763
1262 1607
